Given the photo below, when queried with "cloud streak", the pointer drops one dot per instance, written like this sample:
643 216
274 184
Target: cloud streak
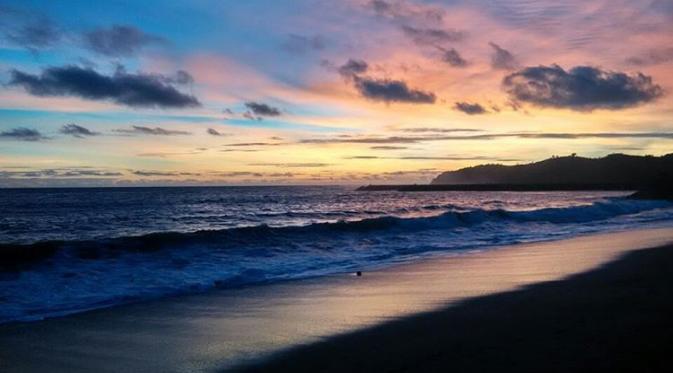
522 135
60 173
292 164
387 147
146 173
439 130
155 131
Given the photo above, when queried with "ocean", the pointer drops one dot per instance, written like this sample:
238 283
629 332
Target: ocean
69 250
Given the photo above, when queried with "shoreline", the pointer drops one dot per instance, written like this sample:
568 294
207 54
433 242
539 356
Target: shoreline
613 318
225 328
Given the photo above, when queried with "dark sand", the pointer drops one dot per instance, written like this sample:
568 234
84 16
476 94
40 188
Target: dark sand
616 318
553 326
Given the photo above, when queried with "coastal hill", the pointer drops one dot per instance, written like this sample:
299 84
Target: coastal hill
651 176
614 169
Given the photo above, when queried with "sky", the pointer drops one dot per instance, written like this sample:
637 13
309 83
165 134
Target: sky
206 92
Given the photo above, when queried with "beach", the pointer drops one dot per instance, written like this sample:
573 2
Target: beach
336 186
515 307
615 318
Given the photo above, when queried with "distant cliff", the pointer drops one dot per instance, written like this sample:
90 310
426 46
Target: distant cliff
637 171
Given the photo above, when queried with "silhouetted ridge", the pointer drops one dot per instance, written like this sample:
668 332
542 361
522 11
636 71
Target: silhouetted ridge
616 169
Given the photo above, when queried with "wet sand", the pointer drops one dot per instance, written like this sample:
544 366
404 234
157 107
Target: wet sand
381 320
616 318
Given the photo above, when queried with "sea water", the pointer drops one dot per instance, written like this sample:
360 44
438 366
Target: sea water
68 250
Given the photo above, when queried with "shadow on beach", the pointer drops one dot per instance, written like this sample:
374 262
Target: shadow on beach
618 317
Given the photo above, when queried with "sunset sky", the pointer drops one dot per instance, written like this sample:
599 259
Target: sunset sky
204 92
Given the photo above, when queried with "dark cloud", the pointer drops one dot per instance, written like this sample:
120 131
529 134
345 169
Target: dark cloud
391 91
22 134
385 90
353 67
502 58
34 36
77 130
453 58
582 88
256 110
300 44
119 40
158 131
135 90
214 132
652 57
469 108
431 36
